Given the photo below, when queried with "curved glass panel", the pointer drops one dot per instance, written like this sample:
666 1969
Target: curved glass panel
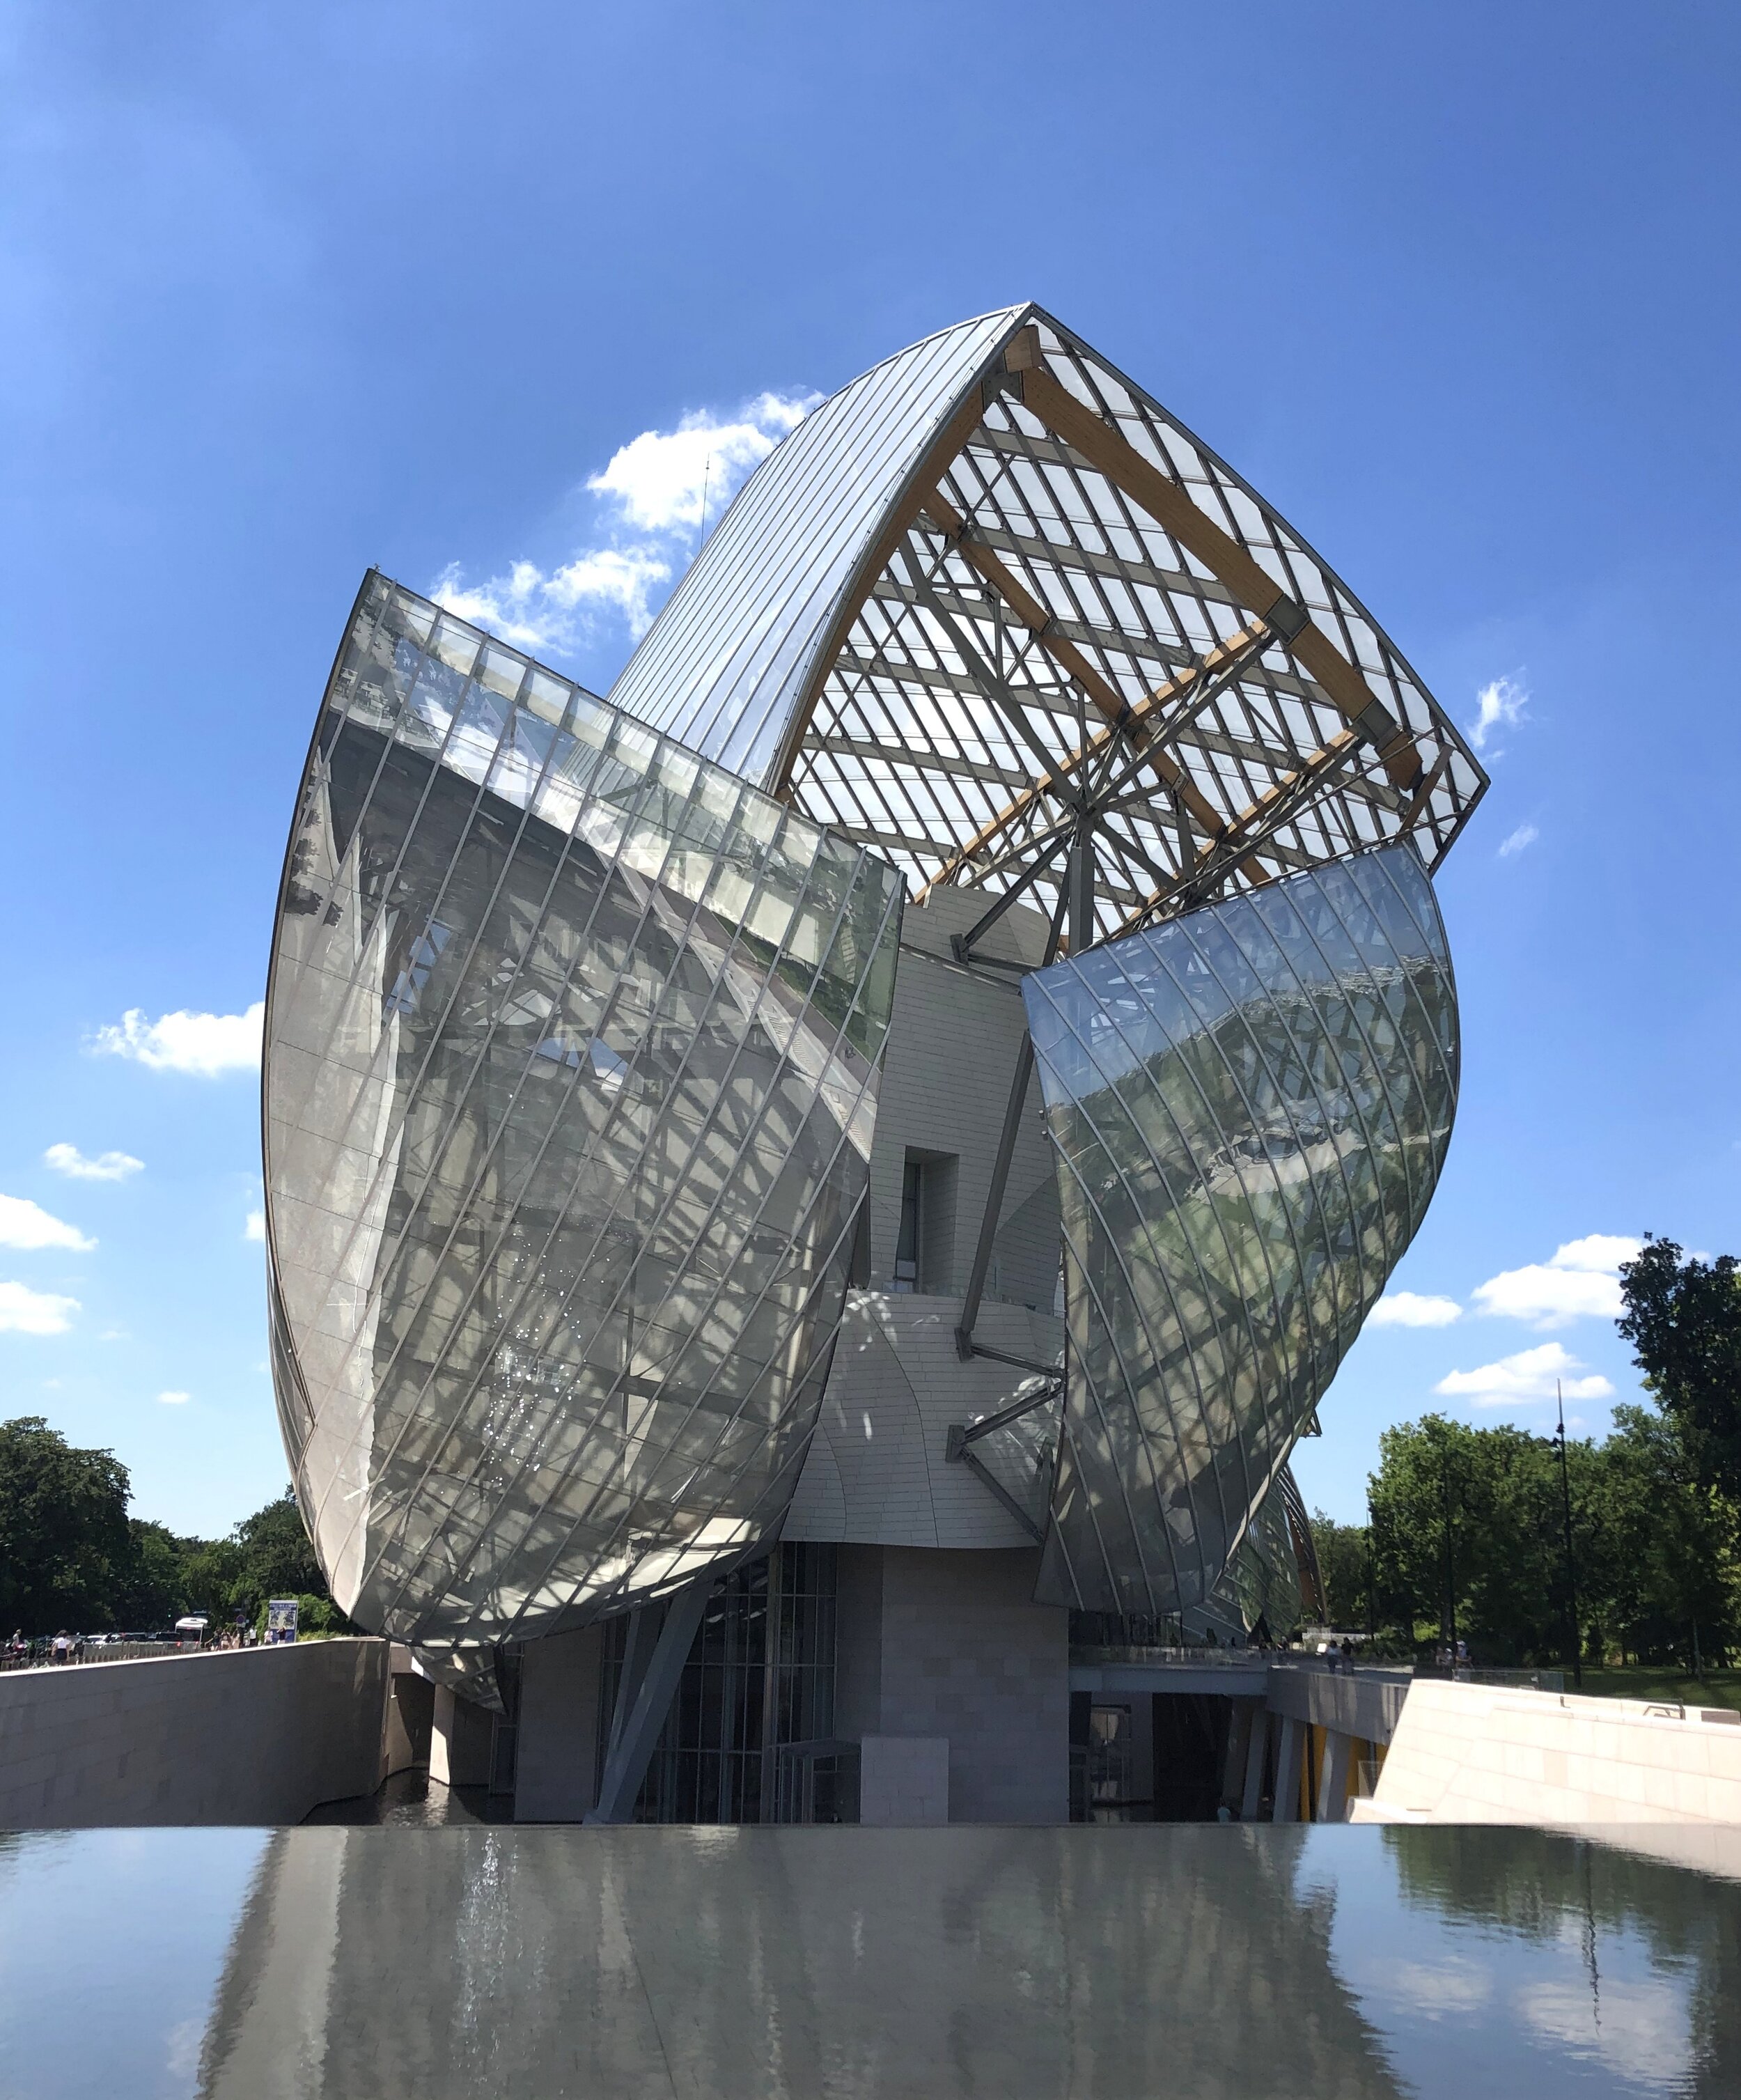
723 665
993 568
1250 1106
1261 1581
572 1045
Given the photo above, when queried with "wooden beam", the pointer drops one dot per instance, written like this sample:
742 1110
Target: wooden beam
1110 453
1272 806
1135 727
1118 711
942 449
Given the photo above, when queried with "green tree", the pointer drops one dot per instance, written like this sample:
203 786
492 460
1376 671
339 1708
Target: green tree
1343 1561
275 1558
1683 1319
1467 1527
1666 1559
65 1549
153 1594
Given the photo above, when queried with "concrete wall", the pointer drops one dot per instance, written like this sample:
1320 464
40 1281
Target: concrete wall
1468 1753
247 1735
1365 1704
556 1755
876 1472
903 1781
952 1045
960 1650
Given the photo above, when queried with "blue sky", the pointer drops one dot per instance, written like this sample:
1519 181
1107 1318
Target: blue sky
288 291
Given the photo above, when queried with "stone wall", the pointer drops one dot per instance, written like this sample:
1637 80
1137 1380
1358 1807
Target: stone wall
1468 1753
952 1645
244 1735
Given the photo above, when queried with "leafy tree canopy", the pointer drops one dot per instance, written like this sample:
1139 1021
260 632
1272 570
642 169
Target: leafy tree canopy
65 1543
71 1556
1683 1319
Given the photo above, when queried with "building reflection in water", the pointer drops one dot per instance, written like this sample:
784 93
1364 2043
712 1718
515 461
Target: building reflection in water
1203 1962
1208 1961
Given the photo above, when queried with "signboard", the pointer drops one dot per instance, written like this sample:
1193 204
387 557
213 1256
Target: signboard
281 1619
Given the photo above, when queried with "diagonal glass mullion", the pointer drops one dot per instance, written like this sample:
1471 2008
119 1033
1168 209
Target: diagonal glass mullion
594 1147
489 1257
389 1252
1180 1443
605 1400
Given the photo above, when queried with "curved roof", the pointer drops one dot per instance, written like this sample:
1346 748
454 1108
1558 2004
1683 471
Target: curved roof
991 590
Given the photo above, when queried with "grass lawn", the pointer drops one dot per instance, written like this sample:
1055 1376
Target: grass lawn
1716 1687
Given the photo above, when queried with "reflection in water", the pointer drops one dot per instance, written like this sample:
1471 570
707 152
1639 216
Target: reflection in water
1608 1959
1219 1962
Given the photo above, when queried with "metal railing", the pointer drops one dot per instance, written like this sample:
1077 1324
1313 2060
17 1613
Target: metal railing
1196 1658
1515 1680
41 1656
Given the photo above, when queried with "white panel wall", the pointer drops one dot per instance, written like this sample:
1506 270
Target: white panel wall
1466 1753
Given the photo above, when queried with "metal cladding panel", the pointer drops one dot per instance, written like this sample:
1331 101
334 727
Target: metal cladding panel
724 664
572 1048
1249 1107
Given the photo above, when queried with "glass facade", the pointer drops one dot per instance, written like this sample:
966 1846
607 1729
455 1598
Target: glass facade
572 1059
574 1031
1249 1107
749 1738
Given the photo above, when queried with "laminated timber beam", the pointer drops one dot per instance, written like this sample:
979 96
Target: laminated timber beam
1273 808
1105 448
1118 711
1138 718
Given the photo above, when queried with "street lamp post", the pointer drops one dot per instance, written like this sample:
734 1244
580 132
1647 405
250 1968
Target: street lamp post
1444 1482
1572 1561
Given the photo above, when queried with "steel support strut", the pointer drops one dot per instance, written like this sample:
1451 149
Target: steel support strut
642 1705
1000 1174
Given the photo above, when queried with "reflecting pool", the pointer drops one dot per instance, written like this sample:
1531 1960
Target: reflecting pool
1203 1962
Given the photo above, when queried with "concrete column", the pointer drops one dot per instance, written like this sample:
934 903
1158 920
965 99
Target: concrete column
1288 1749
411 1707
1256 1744
1333 1781
1239 1743
557 1753
903 1780
460 1741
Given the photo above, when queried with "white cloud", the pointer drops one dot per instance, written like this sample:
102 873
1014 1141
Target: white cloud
23 1311
204 1043
531 610
1600 1253
1525 835
106 1165
656 488
28 1225
660 477
255 1227
1409 1308
174 1398
1499 705
1581 1281
1531 1374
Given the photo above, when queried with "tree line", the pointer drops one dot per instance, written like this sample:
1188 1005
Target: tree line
1629 1551
71 1557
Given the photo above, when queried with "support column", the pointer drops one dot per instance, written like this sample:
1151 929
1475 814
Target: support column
1239 1743
641 1710
1333 1781
460 1741
1256 1745
556 1758
1288 1749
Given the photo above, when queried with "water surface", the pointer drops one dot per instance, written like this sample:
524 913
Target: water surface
1205 1961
